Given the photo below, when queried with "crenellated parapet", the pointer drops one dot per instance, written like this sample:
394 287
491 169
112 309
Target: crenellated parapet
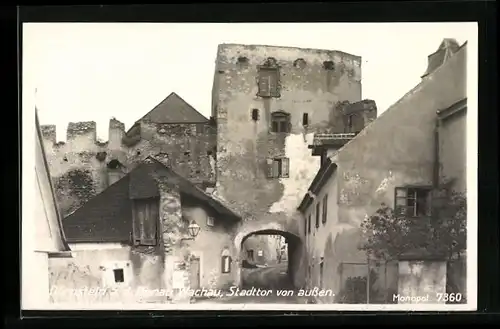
83 166
82 136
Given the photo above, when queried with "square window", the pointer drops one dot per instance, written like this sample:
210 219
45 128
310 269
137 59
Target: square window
412 202
210 221
119 276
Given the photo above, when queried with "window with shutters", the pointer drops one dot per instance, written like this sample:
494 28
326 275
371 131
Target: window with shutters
278 168
318 207
268 80
325 209
280 122
146 215
413 201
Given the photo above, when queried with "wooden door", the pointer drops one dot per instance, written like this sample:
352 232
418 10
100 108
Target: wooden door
194 273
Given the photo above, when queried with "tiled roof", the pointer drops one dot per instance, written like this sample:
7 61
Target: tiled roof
174 109
108 216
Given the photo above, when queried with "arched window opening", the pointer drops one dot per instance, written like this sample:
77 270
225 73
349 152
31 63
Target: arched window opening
226 261
114 164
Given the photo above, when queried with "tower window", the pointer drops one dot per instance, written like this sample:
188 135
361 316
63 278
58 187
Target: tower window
242 60
268 79
305 119
255 114
328 65
280 122
279 168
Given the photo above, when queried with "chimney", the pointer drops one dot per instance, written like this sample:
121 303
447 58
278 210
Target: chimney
447 48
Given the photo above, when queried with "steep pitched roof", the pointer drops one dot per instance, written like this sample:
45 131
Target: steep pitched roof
446 49
108 216
174 109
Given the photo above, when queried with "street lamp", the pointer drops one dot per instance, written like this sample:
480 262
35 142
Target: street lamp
193 230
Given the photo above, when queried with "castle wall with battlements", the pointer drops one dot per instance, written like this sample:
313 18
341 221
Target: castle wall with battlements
82 166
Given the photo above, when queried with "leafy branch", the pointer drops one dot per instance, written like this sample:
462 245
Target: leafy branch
388 236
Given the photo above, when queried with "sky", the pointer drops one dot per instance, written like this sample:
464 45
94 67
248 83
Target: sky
96 71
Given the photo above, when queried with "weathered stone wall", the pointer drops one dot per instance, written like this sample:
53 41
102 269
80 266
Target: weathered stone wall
267 244
244 145
421 282
79 165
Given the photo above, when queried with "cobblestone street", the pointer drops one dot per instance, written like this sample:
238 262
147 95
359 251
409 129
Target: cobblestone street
261 286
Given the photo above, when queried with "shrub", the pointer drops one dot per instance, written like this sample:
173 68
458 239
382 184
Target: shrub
387 236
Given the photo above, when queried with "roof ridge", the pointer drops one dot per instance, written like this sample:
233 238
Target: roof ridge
182 100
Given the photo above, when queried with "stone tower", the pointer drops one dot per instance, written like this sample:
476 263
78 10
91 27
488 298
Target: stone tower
268 102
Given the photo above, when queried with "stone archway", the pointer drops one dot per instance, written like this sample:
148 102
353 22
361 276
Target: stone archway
295 247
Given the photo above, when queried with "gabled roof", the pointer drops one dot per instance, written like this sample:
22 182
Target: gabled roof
107 217
174 109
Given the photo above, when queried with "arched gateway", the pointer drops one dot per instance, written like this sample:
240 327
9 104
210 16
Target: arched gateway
287 227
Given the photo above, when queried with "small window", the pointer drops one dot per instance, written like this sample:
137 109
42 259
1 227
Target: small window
305 119
119 277
413 202
260 253
242 60
255 114
280 122
299 63
226 264
349 127
250 254
278 168
325 209
210 221
318 207
321 273
309 224
328 65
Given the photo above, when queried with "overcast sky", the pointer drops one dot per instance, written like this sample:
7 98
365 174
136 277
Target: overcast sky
96 71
